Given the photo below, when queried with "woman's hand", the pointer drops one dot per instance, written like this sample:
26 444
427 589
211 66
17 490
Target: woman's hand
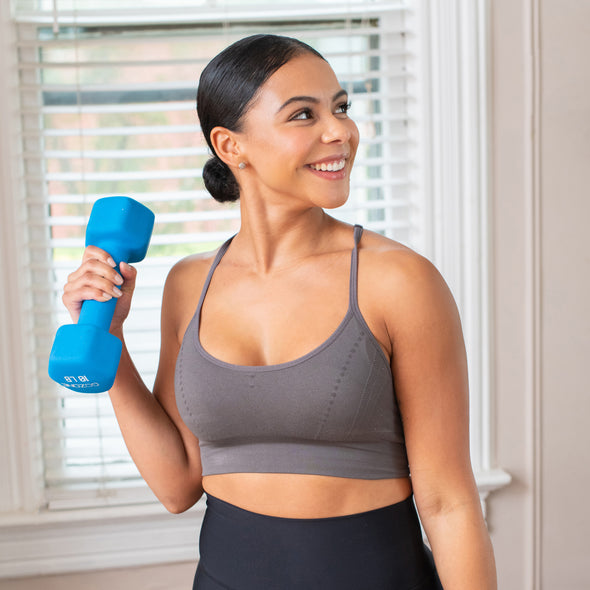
98 279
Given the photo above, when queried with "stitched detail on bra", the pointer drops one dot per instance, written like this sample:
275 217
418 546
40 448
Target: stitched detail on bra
338 382
364 398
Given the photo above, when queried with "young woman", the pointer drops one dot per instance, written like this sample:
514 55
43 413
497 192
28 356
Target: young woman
307 367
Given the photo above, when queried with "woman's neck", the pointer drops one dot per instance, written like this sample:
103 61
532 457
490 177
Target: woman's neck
271 239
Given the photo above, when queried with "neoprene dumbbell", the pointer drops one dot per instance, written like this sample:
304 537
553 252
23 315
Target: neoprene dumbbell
85 356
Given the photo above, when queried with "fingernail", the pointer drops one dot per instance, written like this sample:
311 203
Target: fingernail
111 262
117 292
106 296
119 280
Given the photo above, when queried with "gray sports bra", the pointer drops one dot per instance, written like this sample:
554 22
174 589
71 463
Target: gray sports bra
330 412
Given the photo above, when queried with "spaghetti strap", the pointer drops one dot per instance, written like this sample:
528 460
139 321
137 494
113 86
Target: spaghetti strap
353 293
220 253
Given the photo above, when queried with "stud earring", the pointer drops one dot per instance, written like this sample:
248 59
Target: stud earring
242 165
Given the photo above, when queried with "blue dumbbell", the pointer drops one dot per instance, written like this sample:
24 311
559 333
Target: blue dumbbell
85 356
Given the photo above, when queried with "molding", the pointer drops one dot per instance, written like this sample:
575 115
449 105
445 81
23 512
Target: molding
533 369
19 459
490 481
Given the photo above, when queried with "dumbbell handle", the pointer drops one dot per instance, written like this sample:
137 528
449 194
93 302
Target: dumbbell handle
100 313
97 313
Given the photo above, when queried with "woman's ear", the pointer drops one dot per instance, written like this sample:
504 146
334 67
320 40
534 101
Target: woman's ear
226 145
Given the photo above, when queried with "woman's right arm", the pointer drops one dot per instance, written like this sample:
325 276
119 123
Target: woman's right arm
164 450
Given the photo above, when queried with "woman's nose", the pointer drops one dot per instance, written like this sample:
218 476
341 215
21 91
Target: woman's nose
336 130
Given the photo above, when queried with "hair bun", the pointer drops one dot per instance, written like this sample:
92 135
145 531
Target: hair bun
219 181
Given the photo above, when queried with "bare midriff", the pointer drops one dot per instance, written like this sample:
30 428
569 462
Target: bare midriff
288 495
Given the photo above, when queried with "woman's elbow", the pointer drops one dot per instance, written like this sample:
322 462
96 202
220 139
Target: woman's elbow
179 503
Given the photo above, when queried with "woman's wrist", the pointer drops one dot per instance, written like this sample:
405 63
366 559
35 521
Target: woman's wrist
118 332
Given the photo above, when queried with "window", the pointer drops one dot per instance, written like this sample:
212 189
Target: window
111 110
106 96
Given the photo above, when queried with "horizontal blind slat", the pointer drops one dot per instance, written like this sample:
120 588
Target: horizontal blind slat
142 63
120 176
123 154
106 131
205 13
142 197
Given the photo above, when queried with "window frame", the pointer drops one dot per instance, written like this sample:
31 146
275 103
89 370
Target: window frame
451 41
67 472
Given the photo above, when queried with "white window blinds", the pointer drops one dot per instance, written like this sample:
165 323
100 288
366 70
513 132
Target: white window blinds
107 108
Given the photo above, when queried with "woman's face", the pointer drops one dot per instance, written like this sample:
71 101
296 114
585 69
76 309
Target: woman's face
297 139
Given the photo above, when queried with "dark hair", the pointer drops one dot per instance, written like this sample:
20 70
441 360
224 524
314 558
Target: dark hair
227 86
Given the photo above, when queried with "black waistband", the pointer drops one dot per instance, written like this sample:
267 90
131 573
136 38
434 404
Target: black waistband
380 549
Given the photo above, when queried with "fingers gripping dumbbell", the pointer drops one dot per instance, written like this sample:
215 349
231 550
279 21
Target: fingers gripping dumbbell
85 356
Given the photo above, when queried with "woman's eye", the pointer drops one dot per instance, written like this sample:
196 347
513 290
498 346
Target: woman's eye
307 114
343 108
302 115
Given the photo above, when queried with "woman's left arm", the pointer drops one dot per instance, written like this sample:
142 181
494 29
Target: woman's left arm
430 373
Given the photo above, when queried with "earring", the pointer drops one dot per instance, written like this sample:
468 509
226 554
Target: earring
242 165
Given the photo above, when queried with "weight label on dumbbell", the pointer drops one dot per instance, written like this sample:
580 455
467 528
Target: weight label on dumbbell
80 385
78 379
78 382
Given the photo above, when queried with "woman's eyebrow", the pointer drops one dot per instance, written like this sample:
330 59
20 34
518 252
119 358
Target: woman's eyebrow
311 99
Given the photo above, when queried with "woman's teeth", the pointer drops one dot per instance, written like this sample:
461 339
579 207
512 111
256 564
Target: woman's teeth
331 167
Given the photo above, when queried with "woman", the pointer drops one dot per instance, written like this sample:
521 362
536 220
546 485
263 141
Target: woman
281 391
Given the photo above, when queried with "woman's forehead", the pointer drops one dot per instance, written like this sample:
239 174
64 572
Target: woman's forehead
304 75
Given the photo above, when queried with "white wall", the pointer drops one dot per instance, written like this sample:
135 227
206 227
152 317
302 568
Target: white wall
541 282
541 212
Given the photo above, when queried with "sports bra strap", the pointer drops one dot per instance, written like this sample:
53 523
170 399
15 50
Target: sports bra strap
222 250
353 293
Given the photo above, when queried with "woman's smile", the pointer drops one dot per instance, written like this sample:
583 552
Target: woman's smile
331 169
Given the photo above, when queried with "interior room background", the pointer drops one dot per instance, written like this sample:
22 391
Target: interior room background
474 118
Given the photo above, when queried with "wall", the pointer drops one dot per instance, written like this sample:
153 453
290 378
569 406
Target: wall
541 209
540 101
566 285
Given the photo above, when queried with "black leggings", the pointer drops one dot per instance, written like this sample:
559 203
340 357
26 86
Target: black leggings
377 550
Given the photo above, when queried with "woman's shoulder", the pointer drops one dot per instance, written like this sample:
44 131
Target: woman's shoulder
392 259
184 283
393 271
191 268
